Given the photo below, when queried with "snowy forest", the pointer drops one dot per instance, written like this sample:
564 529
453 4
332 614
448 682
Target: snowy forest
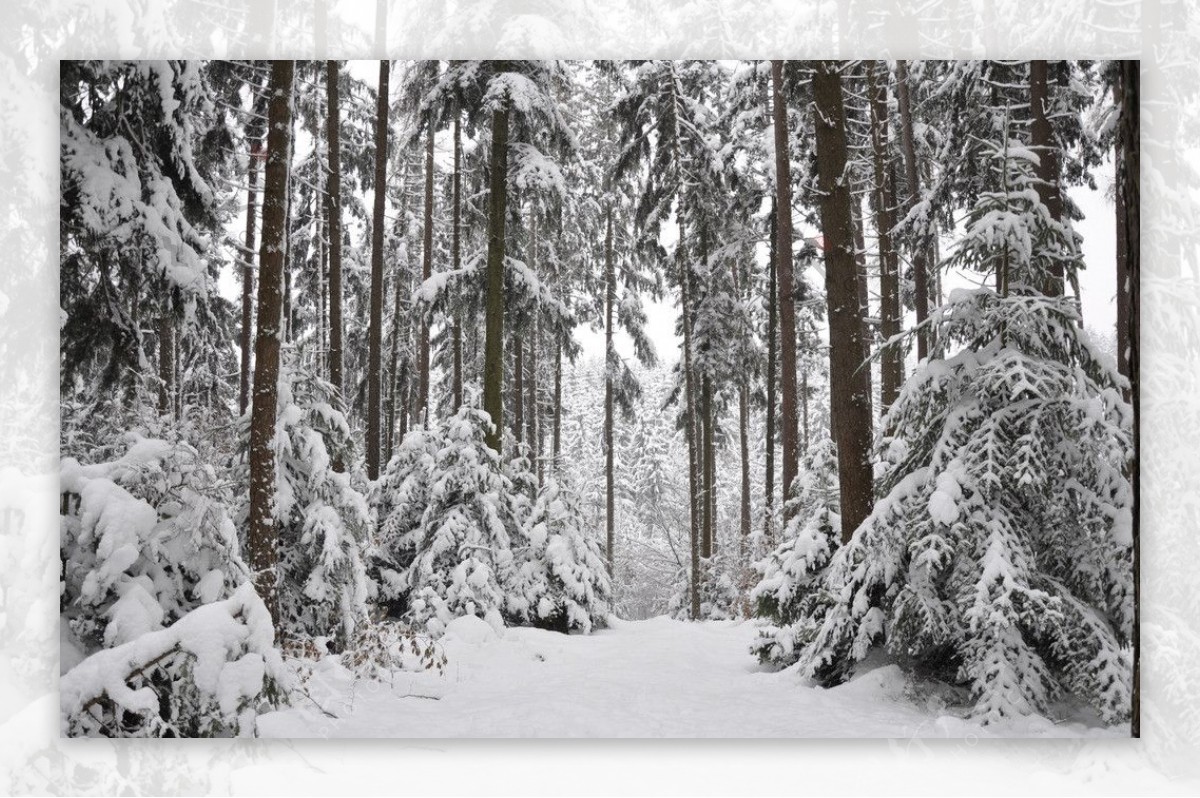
653 398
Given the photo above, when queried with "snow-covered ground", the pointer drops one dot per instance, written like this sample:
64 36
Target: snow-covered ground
653 678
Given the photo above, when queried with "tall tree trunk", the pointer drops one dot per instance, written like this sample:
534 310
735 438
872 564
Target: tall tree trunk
787 306
333 200
772 349
1041 140
610 292
263 537
689 421
847 386
322 289
1128 160
399 271
920 255
456 256
493 349
864 306
891 369
518 403
426 273
535 339
256 151
375 326
708 472
556 445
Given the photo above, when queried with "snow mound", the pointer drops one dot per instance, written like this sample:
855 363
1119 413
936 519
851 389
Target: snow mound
471 630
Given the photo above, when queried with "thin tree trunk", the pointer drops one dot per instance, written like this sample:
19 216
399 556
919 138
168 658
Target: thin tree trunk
772 349
891 369
456 256
741 289
864 307
610 291
518 388
787 307
333 200
493 354
398 273
556 448
689 422
534 342
848 388
426 273
256 152
709 467
375 326
263 537
920 255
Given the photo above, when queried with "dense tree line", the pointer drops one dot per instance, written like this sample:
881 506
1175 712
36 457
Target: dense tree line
344 307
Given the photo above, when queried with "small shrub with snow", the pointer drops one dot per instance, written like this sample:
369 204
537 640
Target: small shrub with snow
1000 555
145 539
209 674
561 579
447 536
782 599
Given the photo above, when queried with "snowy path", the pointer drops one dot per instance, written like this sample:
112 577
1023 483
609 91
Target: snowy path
655 678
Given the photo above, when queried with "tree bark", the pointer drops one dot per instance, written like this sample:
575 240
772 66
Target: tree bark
375 325
689 421
426 273
787 307
920 255
772 348
531 413
263 537
398 274
493 350
333 200
848 388
256 152
864 305
1041 140
456 256
610 291
1129 324
891 369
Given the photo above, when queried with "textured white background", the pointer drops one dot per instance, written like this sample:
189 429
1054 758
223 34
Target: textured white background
34 34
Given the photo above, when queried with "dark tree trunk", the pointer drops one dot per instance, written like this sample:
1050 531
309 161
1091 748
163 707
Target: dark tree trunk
891 369
456 256
920 255
1129 324
556 447
689 422
848 388
493 351
333 199
864 307
787 307
610 291
375 325
531 412
256 152
1041 140
399 271
708 457
263 537
426 273
772 349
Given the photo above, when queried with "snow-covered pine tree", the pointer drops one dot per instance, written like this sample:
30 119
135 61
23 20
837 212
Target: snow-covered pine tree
1000 554
560 580
445 541
145 539
323 518
782 598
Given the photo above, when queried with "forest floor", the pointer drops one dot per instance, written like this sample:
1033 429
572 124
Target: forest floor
652 678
